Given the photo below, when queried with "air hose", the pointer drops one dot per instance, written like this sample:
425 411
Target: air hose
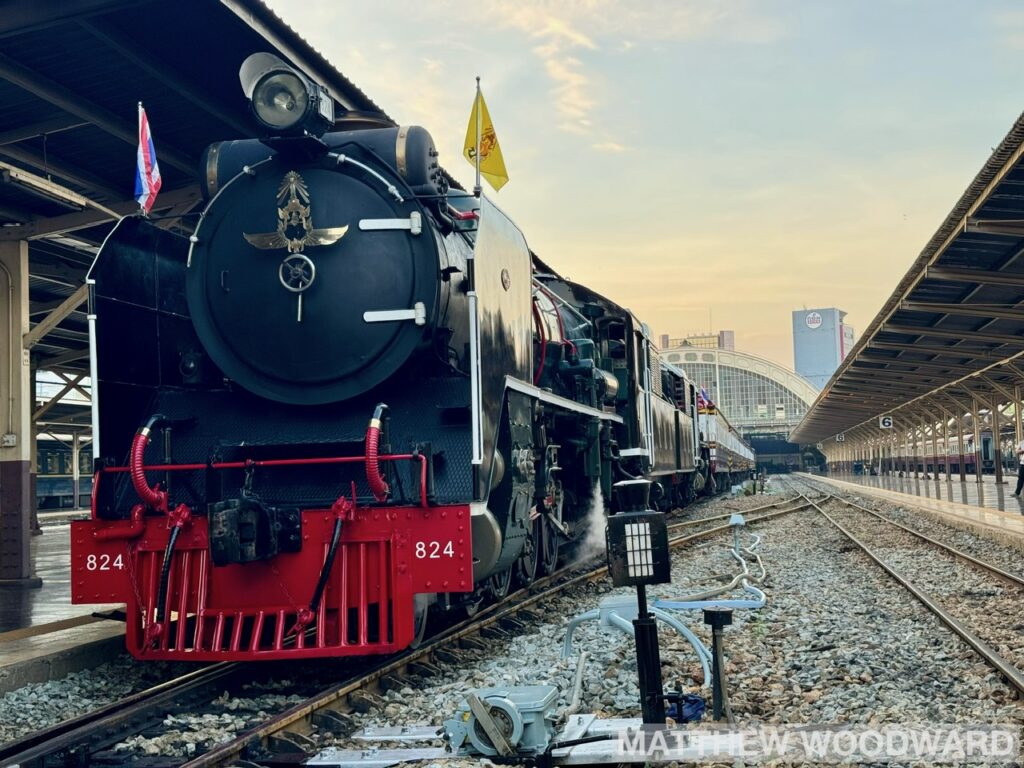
156 499
152 496
378 485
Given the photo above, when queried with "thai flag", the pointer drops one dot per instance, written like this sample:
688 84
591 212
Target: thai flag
147 172
703 399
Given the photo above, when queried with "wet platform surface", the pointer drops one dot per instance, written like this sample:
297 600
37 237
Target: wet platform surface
986 504
21 608
42 635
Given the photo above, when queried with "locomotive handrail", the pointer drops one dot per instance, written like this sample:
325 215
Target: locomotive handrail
256 463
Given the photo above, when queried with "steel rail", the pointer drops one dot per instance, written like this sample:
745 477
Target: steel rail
1012 674
300 716
772 505
111 722
1009 578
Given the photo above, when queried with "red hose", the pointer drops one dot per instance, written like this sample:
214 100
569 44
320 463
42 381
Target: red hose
378 485
152 497
133 531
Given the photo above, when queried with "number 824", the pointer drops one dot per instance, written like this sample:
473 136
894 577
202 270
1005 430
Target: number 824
434 550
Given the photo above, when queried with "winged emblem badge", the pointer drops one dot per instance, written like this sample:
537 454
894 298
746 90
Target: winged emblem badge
295 230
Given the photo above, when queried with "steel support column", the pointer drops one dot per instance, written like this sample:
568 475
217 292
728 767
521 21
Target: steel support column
1018 429
997 439
1018 426
960 447
976 424
913 449
17 399
906 451
945 441
924 447
934 474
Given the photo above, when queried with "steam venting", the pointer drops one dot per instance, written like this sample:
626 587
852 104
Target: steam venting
594 544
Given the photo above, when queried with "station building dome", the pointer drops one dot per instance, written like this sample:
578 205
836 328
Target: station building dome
757 395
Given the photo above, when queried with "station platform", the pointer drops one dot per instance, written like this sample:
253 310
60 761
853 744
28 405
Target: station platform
988 508
22 608
44 636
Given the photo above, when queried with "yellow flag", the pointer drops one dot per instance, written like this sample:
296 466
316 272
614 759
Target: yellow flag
492 164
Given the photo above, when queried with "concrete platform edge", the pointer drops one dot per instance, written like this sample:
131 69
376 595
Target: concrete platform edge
52 666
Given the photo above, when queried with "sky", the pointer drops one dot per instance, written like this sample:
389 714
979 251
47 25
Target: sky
713 164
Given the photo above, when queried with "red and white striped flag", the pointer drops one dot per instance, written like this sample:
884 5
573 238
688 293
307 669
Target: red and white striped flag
147 171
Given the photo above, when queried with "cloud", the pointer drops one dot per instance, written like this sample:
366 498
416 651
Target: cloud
558 36
1009 26
610 146
568 30
571 92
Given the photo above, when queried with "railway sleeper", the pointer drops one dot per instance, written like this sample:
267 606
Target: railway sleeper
512 624
362 701
290 743
447 656
424 668
494 632
472 643
333 721
393 680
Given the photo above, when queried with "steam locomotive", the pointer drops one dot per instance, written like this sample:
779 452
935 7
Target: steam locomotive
352 397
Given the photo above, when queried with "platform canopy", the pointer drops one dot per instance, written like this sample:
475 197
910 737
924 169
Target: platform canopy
952 333
71 74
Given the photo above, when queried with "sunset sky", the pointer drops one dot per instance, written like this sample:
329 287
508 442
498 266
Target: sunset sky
719 162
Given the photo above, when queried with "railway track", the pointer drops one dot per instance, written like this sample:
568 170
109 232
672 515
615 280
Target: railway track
981 608
289 730
77 740
101 728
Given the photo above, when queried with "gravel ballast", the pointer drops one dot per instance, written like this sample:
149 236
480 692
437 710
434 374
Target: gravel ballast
837 642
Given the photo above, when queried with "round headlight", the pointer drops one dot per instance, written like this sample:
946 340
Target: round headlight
281 100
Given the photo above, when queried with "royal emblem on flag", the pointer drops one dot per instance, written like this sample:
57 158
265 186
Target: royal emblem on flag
481 147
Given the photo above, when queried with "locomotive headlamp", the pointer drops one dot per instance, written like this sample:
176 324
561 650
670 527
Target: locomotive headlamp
280 100
284 100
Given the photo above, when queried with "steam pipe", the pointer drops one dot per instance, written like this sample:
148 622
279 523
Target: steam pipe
378 485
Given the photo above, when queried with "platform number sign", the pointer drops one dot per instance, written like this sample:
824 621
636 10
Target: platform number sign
885 422
841 437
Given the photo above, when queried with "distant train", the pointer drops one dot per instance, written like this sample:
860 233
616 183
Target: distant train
726 453
944 456
55 480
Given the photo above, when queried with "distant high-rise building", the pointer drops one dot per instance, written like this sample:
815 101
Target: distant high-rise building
820 342
720 340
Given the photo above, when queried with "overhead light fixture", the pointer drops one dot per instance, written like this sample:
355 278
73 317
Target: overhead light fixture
32 185
74 242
